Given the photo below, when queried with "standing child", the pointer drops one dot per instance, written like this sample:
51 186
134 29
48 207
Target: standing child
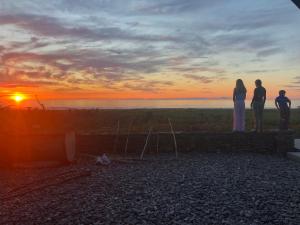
258 104
283 104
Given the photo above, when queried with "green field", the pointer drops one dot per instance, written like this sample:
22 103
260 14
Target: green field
106 121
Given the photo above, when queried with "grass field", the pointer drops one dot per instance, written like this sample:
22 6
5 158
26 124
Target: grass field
106 121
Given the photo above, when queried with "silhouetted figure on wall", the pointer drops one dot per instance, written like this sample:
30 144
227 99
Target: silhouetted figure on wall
239 96
283 104
258 104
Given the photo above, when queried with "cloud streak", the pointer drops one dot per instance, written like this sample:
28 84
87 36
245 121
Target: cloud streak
52 27
204 79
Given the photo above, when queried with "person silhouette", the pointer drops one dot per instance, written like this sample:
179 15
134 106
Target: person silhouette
283 104
239 96
258 104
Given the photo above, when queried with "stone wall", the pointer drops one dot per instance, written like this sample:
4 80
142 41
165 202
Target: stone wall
267 142
20 148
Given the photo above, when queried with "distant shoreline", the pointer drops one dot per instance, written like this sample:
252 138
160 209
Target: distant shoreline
142 108
144 104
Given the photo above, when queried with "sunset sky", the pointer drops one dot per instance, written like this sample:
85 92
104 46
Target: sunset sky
62 49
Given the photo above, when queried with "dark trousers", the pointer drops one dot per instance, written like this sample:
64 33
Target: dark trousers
284 118
258 108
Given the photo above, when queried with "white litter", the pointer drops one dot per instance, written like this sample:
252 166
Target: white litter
103 160
297 144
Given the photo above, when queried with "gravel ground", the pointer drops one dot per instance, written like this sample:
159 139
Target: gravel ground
195 189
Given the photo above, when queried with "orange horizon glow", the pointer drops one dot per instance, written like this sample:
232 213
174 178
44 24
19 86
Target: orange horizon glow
219 92
25 96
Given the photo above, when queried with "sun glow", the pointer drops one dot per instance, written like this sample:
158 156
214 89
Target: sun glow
18 97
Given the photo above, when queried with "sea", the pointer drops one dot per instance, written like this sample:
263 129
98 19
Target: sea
143 104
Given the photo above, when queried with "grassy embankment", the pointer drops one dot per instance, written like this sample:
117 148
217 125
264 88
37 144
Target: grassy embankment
105 121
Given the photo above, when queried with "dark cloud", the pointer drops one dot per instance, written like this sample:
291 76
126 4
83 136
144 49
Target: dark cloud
261 71
32 69
148 86
112 6
295 84
297 78
47 26
204 79
199 69
175 6
127 62
256 20
83 6
52 27
32 44
293 87
269 52
48 64
24 83
95 69
98 68
68 89
15 85
2 48
26 56
244 42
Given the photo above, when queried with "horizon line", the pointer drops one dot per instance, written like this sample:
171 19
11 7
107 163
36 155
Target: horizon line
118 99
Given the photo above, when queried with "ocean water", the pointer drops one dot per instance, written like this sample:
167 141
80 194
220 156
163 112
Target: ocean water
143 103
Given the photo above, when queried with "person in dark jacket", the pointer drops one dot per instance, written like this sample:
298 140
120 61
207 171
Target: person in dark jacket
258 104
283 104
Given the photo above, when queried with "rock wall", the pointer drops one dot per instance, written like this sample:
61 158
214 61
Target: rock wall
20 148
267 142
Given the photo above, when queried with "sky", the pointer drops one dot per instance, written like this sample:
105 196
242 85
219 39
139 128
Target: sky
115 49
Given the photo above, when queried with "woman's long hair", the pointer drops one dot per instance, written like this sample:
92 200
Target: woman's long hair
240 87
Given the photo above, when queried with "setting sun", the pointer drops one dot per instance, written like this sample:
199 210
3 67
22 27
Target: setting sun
18 97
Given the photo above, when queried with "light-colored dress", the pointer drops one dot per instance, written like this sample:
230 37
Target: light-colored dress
239 112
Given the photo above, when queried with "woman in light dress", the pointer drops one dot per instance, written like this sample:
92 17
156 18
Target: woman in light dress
239 96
